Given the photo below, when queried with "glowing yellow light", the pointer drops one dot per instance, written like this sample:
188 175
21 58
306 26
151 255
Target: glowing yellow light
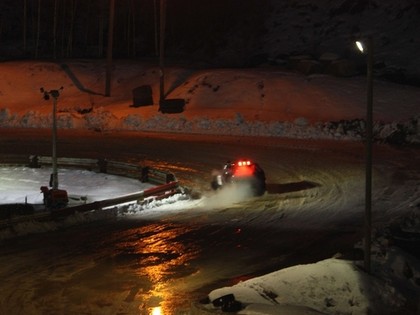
156 311
359 46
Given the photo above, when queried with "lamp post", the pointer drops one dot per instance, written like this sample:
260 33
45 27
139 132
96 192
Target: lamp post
369 136
54 94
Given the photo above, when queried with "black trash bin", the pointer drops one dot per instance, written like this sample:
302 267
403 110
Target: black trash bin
172 106
142 96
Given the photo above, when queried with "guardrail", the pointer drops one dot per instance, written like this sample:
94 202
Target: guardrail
166 190
169 188
166 182
143 173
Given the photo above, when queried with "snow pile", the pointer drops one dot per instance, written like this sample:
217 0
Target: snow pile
336 286
330 286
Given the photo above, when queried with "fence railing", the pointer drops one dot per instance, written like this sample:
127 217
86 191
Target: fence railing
143 173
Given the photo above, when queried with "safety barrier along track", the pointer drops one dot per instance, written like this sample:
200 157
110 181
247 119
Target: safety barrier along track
143 173
167 185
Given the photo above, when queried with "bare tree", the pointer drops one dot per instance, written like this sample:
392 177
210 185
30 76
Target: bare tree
162 50
110 46
101 26
155 10
131 29
55 29
38 29
73 8
25 12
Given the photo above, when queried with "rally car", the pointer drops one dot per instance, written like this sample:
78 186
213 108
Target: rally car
241 172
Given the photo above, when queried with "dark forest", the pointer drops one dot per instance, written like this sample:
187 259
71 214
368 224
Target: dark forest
79 28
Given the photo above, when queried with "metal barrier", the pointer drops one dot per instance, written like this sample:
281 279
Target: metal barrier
167 186
145 174
46 215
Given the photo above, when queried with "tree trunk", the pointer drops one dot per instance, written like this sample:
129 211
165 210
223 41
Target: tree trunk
133 31
38 29
69 50
156 28
162 50
55 30
101 30
63 28
25 12
88 26
109 50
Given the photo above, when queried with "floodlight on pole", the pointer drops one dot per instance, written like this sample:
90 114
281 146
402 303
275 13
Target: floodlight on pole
359 45
54 94
369 139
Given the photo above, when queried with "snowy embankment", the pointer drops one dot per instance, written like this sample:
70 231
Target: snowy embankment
331 286
253 102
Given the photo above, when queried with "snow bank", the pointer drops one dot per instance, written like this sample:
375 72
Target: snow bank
243 102
331 286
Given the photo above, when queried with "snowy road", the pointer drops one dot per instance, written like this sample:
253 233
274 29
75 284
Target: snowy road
171 257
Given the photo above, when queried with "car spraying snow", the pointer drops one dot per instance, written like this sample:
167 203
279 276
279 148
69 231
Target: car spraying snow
245 174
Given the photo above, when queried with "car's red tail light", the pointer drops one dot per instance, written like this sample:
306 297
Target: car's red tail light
244 163
244 169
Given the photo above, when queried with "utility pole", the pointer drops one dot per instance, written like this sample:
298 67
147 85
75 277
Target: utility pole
369 142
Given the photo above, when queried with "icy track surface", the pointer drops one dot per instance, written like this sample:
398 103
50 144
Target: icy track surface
172 252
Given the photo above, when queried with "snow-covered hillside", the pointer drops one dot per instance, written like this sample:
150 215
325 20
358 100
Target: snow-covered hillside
257 102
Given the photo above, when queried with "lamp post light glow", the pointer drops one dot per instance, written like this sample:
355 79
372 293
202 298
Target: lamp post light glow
369 136
360 46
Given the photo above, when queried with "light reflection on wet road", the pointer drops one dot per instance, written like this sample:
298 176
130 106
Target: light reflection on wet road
158 253
131 266
107 267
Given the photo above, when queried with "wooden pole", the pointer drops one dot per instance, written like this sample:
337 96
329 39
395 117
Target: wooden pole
54 144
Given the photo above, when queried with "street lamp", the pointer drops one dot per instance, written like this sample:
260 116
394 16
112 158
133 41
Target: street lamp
368 46
54 94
